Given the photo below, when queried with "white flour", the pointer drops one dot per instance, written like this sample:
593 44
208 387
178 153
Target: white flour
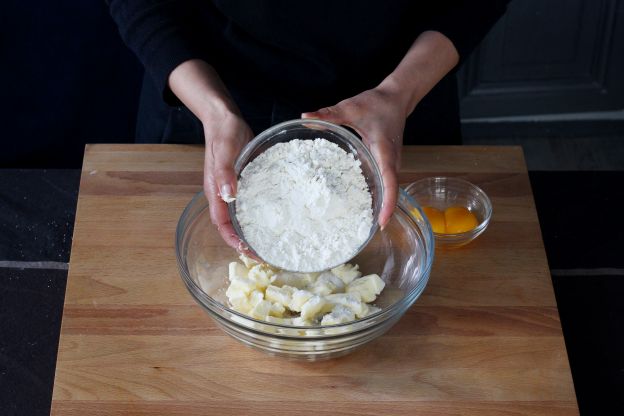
304 205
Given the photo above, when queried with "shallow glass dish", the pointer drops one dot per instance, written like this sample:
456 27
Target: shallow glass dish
443 192
310 129
401 253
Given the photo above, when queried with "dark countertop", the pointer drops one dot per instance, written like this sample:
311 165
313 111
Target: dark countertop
37 209
581 225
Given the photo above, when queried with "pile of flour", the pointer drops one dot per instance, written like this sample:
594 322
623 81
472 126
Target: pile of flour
304 205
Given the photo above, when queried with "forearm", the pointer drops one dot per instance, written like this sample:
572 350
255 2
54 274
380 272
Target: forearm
200 89
162 33
198 86
429 59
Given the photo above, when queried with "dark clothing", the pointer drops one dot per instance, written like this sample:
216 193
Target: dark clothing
280 58
435 122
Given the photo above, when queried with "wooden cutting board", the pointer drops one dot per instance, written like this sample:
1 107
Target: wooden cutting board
484 339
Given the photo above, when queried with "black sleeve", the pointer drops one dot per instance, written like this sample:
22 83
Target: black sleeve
466 22
160 33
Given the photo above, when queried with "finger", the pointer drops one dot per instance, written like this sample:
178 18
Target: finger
217 207
384 153
333 114
219 214
230 237
224 154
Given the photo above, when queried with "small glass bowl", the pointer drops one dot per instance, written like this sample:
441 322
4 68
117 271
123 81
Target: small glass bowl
443 192
310 129
401 254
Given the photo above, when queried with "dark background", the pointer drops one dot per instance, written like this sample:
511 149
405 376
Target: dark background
67 79
548 70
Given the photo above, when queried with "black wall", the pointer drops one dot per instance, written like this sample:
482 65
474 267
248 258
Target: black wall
548 57
66 79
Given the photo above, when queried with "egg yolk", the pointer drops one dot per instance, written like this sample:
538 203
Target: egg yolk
459 220
436 219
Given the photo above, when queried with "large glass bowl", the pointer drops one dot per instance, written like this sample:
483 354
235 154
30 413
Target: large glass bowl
310 129
401 253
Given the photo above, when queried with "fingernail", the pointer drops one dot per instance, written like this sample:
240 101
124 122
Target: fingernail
242 247
226 193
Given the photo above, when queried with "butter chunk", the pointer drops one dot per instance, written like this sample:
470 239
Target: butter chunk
261 310
255 297
327 298
368 287
247 261
261 274
242 284
298 280
315 307
338 315
277 310
237 271
351 301
240 303
282 295
326 284
347 272
299 297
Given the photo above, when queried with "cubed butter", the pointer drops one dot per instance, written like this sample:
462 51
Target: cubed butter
351 301
261 310
243 284
298 280
315 307
328 298
368 287
282 295
247 261
338 315
347 272
326 284
237 270
261 274
277 310
299 297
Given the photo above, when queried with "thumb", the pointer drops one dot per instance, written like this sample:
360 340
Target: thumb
224 175
331 114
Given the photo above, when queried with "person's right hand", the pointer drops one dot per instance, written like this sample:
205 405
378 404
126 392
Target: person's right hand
225 134
199 87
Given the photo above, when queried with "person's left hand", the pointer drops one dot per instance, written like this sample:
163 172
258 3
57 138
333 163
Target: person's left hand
378 116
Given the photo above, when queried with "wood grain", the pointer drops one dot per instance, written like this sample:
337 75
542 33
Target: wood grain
483 339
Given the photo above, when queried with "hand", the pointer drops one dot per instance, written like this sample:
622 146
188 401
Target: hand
226 135
199 87
378 116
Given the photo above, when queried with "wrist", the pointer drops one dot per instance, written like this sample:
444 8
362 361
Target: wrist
201 90
406 93
429 59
